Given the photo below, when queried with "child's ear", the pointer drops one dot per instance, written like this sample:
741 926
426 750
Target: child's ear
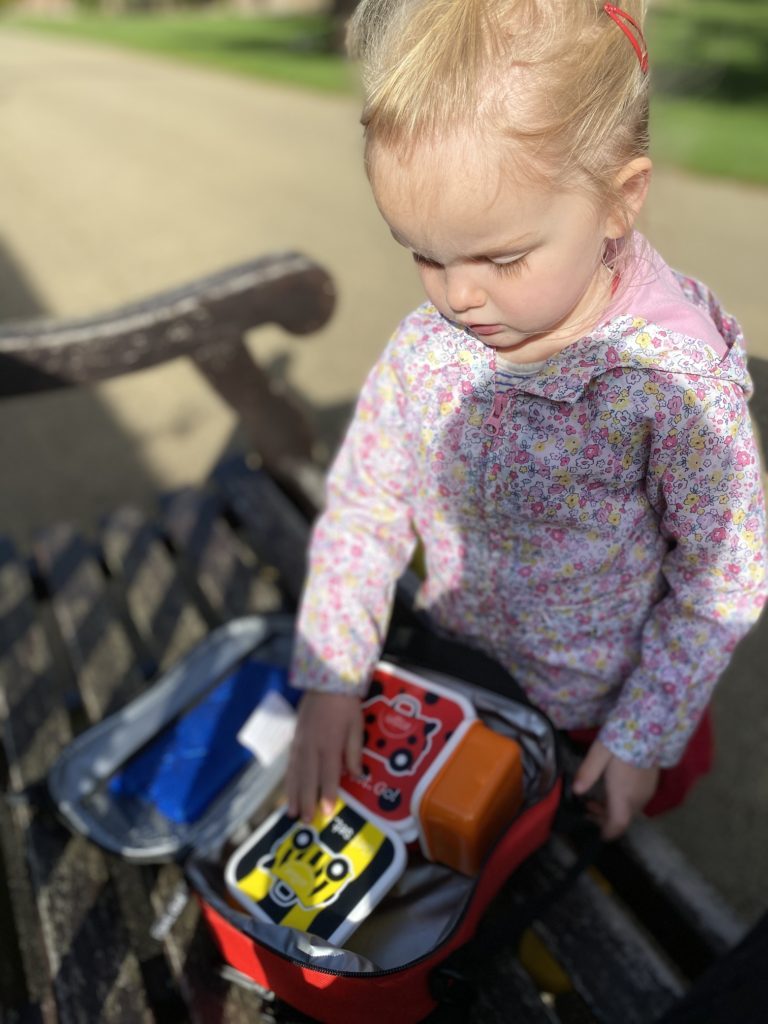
631 184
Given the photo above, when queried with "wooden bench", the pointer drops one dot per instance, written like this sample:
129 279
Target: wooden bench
87 621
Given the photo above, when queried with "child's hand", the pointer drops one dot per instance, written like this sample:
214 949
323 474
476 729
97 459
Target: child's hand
329 732
627 789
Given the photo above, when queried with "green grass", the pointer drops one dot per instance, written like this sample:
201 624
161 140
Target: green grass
292 49
710 77
709 60
714 139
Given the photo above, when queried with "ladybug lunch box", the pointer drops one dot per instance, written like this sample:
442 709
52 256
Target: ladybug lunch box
411 727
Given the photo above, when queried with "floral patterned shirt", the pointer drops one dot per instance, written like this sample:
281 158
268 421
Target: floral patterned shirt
597 526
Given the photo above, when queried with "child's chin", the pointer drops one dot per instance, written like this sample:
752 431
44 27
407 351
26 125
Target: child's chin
505 344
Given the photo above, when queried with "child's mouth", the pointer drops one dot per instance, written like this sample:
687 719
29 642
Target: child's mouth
485 330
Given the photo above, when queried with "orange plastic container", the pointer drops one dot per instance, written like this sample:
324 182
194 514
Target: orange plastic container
465 806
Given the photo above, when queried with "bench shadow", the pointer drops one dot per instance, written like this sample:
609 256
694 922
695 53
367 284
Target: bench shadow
62 453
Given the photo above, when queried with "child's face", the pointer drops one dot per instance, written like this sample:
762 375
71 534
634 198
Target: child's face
517 266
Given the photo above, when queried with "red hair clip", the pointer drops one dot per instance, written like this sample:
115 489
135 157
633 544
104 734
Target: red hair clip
638 42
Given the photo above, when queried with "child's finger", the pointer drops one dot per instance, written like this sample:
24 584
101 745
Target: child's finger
293 785
308 788
330 773
291 797
618 817
595 810
353 754
591 768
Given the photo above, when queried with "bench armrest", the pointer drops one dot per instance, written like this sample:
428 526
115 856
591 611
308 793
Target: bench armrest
206 320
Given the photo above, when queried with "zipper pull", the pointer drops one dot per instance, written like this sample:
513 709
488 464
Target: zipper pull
492 425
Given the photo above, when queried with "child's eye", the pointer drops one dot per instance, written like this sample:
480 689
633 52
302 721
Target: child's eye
510 266
423 261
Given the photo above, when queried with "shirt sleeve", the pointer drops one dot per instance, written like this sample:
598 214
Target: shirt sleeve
360 544
704 481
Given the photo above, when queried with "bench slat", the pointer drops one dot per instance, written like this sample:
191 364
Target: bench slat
31 718
685 914
103 660
161 608
178 986
270 522
24 978
99 652
612 964
94 972
654 877
232 579
169 622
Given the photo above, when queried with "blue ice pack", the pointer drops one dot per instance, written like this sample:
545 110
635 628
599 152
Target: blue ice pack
188 764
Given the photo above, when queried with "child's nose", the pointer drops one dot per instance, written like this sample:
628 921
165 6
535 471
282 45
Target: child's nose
461 291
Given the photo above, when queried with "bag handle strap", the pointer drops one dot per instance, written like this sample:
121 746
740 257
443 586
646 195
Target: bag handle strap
413 637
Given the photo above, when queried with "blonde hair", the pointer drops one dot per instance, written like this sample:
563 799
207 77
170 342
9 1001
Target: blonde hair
556 79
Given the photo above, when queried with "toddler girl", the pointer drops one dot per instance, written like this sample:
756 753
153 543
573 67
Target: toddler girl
563 424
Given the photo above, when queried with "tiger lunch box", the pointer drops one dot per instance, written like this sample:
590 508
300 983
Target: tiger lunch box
322 877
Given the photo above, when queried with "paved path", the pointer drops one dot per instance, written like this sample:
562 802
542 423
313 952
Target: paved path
120 175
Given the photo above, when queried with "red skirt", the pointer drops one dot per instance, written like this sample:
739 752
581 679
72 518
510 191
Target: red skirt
675 782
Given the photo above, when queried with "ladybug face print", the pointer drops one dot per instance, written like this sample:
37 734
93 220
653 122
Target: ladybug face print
410 724
397 732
